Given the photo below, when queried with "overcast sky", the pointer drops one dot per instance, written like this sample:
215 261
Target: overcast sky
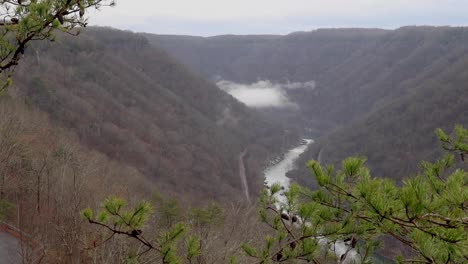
215 17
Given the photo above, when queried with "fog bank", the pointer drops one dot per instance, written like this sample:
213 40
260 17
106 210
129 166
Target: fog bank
264 93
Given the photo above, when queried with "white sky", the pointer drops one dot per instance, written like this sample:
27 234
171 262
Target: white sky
214 17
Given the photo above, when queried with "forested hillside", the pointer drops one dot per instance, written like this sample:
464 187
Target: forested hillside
416 83
297 57
401 133
132 102
123 147
382 92
47 177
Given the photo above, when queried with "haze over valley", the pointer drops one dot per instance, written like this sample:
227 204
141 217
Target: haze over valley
366 83
128 143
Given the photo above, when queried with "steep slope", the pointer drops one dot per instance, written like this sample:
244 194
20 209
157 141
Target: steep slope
399 131
214 56
134 103
396 137
47 178
300 56
382 92
297 57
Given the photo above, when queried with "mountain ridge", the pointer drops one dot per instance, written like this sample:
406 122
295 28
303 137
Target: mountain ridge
364 79
131 101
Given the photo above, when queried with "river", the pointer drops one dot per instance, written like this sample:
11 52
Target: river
277 174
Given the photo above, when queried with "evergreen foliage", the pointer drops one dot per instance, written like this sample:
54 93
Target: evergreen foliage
5 208
169 210
343 221
427 213
28 20
114 217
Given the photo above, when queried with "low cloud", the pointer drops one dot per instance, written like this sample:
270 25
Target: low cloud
264 94
299 85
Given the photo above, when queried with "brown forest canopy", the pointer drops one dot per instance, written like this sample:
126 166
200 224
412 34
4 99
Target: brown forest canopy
383 91
163 127
131 101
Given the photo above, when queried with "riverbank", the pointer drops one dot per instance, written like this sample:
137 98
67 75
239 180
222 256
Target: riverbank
277 172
